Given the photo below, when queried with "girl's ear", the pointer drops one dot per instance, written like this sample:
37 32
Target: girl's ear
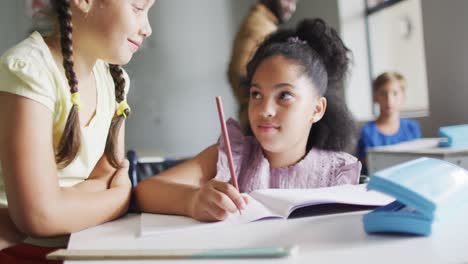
83 5
319 110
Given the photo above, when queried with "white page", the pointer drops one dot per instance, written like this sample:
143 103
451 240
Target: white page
157 224
284 201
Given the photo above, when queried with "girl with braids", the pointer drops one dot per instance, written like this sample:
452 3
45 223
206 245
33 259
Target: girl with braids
63 106
299 123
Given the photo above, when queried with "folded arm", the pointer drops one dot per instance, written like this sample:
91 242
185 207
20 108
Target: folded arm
38 206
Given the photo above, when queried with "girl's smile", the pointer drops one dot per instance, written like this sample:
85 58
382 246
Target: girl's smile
134 44
268 127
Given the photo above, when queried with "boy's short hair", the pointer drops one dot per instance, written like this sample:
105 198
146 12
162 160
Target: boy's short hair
387 77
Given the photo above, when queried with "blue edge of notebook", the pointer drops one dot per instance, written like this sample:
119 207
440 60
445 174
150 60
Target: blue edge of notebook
427 192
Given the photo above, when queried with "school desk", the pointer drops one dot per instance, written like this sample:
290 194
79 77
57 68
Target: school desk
337 238
387 156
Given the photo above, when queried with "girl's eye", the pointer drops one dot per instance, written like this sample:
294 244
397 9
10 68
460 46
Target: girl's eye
286 96
137 9
255 95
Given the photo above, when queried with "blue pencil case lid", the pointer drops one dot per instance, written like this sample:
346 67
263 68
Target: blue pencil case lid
426 190
455 135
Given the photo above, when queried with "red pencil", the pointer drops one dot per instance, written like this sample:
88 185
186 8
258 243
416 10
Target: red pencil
219 104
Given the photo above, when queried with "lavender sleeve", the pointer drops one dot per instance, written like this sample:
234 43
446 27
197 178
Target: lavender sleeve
349 171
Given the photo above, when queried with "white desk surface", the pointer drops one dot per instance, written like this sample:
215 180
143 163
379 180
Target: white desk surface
338 238
426 146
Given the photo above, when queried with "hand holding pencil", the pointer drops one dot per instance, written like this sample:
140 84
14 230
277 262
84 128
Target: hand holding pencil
215 199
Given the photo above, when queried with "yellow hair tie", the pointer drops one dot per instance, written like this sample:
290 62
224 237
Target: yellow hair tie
122 107
75 98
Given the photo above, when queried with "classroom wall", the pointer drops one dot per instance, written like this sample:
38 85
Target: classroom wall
353 33
446 41
177 75
325 9
14 23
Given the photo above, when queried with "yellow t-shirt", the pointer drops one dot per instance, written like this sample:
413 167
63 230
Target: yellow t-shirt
29 70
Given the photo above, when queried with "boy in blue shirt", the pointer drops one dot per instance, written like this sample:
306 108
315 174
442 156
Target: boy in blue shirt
388 128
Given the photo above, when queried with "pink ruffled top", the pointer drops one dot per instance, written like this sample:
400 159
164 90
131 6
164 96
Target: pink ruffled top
319 168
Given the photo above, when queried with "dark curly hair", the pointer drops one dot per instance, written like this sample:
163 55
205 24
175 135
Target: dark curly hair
324 58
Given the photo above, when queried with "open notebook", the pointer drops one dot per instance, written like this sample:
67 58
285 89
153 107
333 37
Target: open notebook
267 204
